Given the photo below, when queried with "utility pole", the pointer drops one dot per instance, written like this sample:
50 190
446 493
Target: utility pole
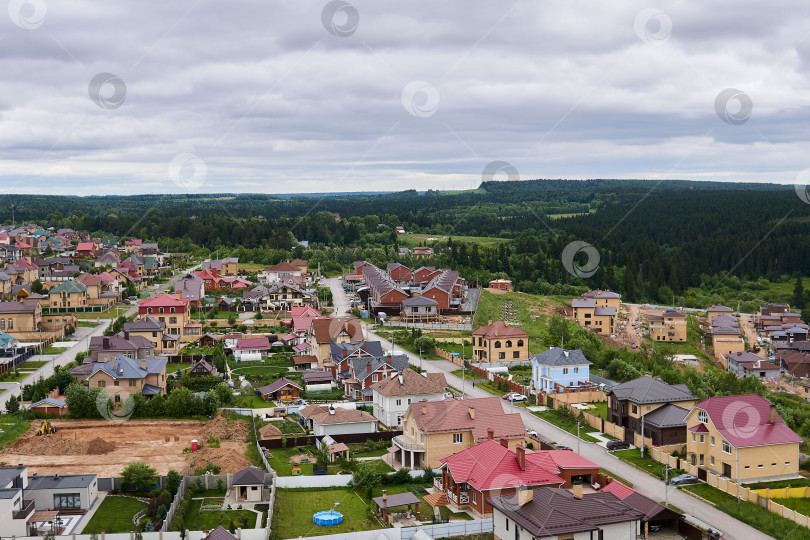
642 435
578 439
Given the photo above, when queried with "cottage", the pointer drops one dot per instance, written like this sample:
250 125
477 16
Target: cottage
248 484
336 420
393 396
558 370
499 342
122 376
281 390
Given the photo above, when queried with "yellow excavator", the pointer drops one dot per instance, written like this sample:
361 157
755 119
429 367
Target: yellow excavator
46 428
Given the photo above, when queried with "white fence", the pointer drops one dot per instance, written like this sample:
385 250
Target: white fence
241 534
430 326
456 528
332 480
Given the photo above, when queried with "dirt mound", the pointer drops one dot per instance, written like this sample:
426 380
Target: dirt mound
225 431
228 459
55 445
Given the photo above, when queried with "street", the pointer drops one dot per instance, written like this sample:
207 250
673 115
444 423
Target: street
642 482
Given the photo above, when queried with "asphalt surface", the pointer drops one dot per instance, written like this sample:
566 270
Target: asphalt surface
642 482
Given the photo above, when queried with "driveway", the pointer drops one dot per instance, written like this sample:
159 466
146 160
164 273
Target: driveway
642 482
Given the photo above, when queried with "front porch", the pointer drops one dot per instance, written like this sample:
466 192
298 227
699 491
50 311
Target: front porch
407 453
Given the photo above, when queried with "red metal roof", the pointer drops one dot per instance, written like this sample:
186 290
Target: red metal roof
745 421
700 428
617 488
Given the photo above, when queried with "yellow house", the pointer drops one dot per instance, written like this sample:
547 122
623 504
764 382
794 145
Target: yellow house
742 438
499 342
17 318
121 377
324 332
718 310
69 296
726 341
669 326
433 430
604 298
600 319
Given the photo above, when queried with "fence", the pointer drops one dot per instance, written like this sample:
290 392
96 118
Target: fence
596 422
430 326
457 528
241 534
332 480
346 438
449 356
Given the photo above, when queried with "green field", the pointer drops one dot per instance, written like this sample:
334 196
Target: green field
646 464
410 240
32 364
11 376
114 515
12 427
198 520
750 513
53 350
280 462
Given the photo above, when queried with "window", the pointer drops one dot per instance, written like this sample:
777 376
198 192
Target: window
409 401
634 409
67 500
132 382
787 464
760 466
3 324
747 467
508 343
475 497
565 371
773 464
703 417
422 438
515 354
374 377
497 344
102 384
501 356
520 343
702 438
116 383
173 320
118 398
693 437
10 323
399 402
711 440
701 460
457 438
412 432
726 448
711 460
576 370
507 523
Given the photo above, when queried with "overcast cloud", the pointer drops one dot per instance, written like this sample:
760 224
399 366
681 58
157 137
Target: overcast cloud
262 96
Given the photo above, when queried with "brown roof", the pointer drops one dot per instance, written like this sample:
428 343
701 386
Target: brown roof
282 267
275 386
409 382
18 307
500 329
269 432
305 359
338 415
327 330
452 415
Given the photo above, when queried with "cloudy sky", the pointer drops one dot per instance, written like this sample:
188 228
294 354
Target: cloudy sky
284 97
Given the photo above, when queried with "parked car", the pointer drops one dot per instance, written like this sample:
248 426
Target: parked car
514 396
683 480
531 432
617 445
561 447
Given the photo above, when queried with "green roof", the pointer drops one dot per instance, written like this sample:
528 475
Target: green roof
69 287
5 340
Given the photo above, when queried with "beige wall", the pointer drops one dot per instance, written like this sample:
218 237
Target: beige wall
585 318
60 300
727 345
101 379
488 351
660 331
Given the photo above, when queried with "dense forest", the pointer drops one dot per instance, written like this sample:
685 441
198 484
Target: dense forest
655 239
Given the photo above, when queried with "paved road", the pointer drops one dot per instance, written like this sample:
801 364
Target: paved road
642 482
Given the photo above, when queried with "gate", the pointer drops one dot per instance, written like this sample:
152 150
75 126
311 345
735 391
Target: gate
702 474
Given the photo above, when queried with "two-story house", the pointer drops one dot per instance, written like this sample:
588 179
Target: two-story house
280 272
173 310
17 318
103 348
629 404
669 326
589 314
16 506
392 396
433 430
336 420
121 377
68 296
324 332
153 330
558 370
419 309
499 342
747 363
742 438
604 298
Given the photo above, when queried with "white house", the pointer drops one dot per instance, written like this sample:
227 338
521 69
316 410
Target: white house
557 368
338 420
392 397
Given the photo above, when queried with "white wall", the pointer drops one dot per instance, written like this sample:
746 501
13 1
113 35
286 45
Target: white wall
343 429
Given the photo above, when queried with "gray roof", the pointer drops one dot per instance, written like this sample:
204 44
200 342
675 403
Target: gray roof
583 302
649 390
275 386
360 370
9 493
147 324
374 348
150 390
604 311
249 477
560 357
49 401
7 474
667 416
69 481
419 301
121 367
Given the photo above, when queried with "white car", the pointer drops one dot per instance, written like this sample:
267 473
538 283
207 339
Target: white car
531 432
515 397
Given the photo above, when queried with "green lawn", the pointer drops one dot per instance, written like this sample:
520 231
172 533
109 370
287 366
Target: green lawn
617 478
87 324
32 364
797 482
802 506
370 453
600 410
114 515
646 464
53 350
295 508
280 462
11 376
750 513
290 427
12 427
411 240
555 418
205 521
254 402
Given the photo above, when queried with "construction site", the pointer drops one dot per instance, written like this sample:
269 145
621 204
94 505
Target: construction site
105 448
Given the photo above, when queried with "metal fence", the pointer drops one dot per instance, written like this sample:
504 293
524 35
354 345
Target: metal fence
456 528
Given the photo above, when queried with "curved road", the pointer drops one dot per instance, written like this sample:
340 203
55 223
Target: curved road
644 483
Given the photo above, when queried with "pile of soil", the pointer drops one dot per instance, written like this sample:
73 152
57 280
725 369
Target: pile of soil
219 427
54 445
228 459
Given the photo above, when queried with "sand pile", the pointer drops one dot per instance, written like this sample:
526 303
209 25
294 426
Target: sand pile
54 445
228 459
219 427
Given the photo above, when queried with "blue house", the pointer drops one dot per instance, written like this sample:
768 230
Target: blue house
558 368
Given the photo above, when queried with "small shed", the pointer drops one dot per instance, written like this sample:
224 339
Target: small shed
209 340
50 406
385 503
269 432
283 390
305 362
248 484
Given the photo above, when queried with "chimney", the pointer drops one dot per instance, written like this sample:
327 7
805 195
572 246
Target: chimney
368 368
525 495
126 336
143 364
490 434
385 495
577 491
472 413
504 442
424 410
772 414
520 453
19 465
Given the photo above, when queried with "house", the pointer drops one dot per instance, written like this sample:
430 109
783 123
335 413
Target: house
305 362
68 296
399 272
726 340
122 376
220 533
631 401
269 432
654 513
153 330
66 493
604 298
742 438
422 252
333 420
499 342
384 294
447 288
714 311
669 326
248 484
357 366
18 318
433 430
318 381
281 390
558 370
591 315
173 310
283 296
423 273
280 272
191 288
419 309
547 513
501 285
223 267
393 395
103 348
16 506
324 332
490 469
50 405
251 349
86 250
208 340
747 363
202 368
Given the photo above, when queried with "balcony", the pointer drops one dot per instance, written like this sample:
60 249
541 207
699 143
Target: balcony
460 499
26 510
407 444
437 483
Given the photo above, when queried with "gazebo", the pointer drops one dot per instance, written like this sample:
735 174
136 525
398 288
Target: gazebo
385 503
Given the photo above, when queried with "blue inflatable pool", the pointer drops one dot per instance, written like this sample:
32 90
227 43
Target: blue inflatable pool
327 518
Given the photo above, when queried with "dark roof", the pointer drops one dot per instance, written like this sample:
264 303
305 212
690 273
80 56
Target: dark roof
220 533
147 324
553 512
316 377
249 477
560 357
397 499
275 386
18 307
667 416
649 390
67 481
419 301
